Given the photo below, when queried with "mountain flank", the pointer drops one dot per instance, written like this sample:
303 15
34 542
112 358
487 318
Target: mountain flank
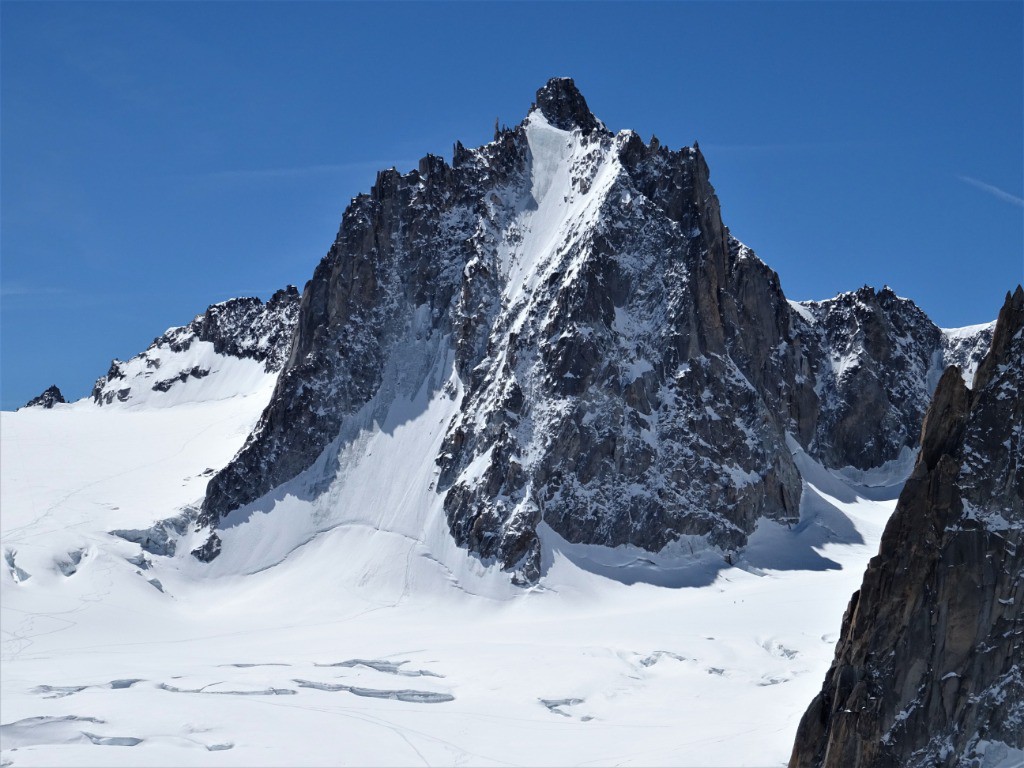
627 371
929 669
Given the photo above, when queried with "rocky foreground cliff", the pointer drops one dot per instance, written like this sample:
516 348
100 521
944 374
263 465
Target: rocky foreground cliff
627 371
929 669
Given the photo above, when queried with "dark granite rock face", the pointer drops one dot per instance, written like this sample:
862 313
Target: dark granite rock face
623 400
929 669
564 107
622 380
876 360
244 328
627 371
48 398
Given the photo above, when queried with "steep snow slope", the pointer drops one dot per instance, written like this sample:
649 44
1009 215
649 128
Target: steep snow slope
377 641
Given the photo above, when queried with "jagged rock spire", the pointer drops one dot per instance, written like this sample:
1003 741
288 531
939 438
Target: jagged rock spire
564 107
628 371
50 397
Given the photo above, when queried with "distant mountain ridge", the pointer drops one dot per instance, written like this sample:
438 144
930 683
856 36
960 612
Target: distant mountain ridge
48 398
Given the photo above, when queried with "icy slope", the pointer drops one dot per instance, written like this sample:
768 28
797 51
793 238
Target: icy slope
376 641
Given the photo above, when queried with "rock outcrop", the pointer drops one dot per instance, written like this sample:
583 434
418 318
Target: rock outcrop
239 329
876 358
627 371
929 669
48 398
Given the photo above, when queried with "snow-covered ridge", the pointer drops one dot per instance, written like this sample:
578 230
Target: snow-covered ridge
233 348
966 347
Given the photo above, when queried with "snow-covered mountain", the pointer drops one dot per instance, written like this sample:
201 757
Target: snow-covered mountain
542 467
231 349
875 360
618 367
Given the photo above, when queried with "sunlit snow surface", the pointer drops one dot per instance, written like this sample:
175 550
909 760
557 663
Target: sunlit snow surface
347 629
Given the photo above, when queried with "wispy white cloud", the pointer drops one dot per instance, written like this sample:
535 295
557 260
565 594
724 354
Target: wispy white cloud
302 171
805 146
15 288
993 190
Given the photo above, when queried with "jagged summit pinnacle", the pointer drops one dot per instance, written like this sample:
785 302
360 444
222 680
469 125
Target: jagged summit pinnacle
50 397
564 107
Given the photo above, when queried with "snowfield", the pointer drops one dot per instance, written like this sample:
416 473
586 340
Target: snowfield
343 627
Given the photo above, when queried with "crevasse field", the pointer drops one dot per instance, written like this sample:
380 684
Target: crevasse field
341 626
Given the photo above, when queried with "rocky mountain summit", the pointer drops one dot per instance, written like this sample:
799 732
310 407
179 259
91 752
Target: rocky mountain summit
237 329
627 371
876 359
929 669
48 398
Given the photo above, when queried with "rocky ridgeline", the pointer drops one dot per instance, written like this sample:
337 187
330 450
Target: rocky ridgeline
929 669
243 328
627 371
875 359
48 398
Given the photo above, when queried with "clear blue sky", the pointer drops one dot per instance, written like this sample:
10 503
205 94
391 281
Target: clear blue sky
157 158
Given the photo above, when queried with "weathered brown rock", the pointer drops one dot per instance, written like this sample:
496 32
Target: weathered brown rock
929 669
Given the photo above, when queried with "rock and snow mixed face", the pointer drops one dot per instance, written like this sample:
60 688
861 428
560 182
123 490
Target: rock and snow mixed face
618 357
48 398
548 357
624 370
929 669
231 349
876 359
